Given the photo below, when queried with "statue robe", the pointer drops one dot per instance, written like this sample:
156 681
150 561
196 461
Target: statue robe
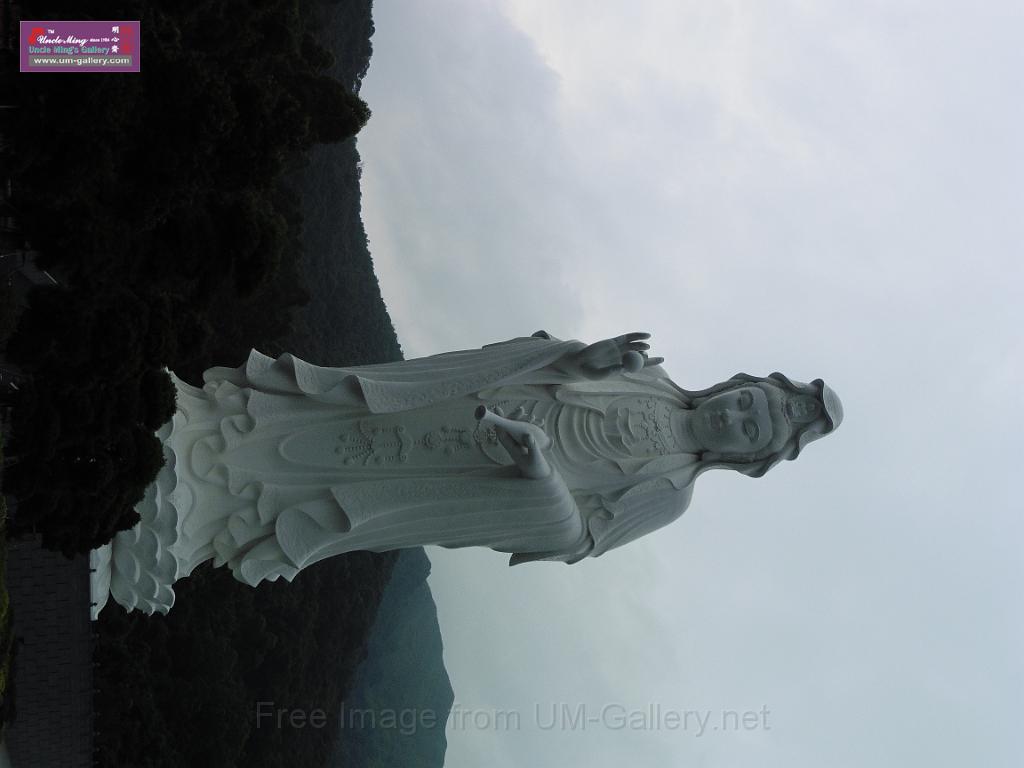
612 502
253 482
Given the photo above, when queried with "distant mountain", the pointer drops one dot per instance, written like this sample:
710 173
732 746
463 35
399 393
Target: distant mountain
395 713
347 323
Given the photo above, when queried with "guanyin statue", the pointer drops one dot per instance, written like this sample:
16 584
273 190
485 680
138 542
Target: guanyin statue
541 448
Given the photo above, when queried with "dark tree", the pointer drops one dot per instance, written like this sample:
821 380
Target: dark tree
171 231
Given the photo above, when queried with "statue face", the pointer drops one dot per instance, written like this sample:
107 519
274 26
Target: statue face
734 422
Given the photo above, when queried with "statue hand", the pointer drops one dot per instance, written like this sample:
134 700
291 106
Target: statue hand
523 448
602 358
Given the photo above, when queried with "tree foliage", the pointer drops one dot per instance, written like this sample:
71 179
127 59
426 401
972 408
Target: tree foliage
158 200
180 246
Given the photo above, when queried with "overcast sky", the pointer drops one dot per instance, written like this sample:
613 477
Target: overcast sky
820 188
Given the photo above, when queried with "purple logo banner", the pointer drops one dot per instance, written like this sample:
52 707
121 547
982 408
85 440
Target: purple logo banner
80 46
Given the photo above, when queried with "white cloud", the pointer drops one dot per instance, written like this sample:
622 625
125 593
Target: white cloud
815 188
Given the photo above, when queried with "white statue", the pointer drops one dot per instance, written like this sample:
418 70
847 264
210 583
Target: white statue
545 449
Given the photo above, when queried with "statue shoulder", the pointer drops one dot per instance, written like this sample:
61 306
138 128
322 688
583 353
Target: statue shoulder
646 508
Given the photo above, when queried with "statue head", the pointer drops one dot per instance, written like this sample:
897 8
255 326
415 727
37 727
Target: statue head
751 423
